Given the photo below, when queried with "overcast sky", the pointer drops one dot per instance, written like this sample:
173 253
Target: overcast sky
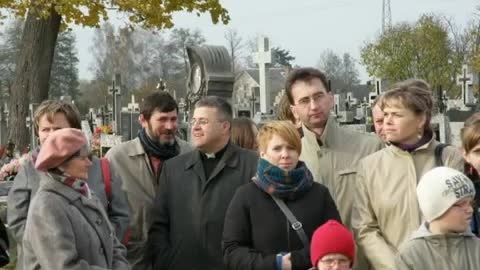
305 27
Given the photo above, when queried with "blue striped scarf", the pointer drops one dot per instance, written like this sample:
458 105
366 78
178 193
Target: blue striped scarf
280 183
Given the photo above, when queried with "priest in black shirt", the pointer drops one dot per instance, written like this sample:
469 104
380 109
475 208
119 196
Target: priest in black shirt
195 190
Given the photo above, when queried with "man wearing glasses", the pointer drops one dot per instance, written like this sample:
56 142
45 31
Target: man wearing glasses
139 163
330 151
195 191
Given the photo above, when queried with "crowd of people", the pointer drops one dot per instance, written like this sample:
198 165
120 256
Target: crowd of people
300 192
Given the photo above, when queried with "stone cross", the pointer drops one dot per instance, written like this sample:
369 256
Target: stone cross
378 86
263 57
465 80
339 104
114 90
132 107
351 101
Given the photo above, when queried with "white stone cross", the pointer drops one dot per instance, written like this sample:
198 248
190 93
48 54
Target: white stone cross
262 57
465 80
133 106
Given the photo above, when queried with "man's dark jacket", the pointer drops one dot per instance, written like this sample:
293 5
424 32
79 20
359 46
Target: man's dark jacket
189 210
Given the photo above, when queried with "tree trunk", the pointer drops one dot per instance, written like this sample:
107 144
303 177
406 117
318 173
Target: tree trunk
32 72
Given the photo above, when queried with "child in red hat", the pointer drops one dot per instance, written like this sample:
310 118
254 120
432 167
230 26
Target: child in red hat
332 247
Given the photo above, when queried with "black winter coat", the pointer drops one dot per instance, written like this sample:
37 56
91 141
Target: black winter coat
189 210
256 229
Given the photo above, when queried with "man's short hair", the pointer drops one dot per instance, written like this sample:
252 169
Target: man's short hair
161 101
305 75
51 107
224 108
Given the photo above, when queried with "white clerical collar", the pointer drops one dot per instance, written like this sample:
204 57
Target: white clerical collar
210 155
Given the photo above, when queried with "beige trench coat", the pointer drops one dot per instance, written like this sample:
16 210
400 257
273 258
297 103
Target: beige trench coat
334 164
386 211
132 165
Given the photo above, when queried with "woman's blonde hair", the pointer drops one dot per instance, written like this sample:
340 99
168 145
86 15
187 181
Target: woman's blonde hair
470 133
284 129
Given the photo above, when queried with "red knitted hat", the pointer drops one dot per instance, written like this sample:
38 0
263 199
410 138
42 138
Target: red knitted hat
331 237
58 147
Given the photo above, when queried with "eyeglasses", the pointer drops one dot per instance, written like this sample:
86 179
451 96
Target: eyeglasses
340 262
201 121
306 101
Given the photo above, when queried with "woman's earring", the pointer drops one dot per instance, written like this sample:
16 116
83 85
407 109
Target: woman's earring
419 133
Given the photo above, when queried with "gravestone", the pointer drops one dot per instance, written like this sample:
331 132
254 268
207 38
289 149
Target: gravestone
108 141
342 114
262 58
130 124
377 90
210 74
465 80
115 91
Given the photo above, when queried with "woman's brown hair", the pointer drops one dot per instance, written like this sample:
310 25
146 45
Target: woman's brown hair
243 133
470 133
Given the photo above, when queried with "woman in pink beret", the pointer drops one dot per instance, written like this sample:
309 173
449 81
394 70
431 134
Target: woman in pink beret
67 226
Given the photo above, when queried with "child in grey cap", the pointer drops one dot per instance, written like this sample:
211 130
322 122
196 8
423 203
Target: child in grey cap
444 240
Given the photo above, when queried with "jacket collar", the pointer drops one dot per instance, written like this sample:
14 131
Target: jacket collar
136 148
228 158
327 138
424 232
50 184
429 144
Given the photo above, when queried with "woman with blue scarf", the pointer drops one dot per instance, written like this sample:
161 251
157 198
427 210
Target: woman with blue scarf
257 234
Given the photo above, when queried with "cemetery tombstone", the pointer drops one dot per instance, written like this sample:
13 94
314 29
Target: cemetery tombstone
115 91
108 141
130 124
263 57
210 74
465 80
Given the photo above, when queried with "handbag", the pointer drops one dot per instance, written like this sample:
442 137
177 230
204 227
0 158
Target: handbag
296 225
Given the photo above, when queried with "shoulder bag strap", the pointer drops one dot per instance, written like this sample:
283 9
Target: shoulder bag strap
296 225
438 154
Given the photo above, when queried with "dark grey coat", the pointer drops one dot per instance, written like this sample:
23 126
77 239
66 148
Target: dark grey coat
189 210
26 184
68 231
